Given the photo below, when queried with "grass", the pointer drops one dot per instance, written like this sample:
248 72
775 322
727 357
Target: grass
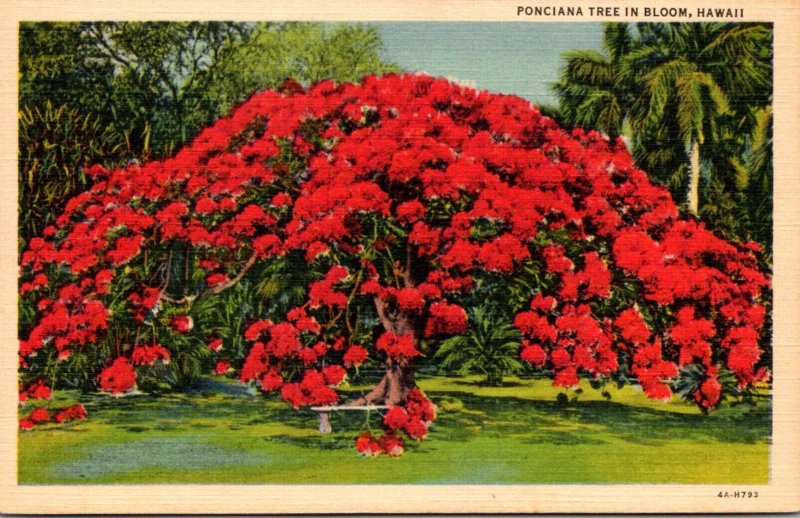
517 433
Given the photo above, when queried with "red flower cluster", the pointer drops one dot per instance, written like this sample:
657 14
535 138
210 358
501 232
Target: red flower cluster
387 444
313 389
322 293
119 377
412 419
222 367
37 416
70 414
368 446
149 354
71 321
36 390
215 344
710 390
143 304
396 347
182 323
355 356
570 338
446 319
652 370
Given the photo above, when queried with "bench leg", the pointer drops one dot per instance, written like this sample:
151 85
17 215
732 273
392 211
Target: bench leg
324 423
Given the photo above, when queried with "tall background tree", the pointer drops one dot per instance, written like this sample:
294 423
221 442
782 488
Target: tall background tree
594 89
694 101
106 92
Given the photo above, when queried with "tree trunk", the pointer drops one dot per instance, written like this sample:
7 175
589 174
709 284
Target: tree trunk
693 198
398 380
393 388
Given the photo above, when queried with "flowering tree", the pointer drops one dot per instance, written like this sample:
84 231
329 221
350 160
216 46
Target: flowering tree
399 202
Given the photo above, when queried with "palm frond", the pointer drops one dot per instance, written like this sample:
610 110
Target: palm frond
588 67
660 84
691 112
735 41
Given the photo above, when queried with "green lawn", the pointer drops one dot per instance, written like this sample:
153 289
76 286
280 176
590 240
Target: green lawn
517 433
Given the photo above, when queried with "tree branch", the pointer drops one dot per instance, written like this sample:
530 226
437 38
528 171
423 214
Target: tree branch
380 307
407 273
222 287
216 289
113 54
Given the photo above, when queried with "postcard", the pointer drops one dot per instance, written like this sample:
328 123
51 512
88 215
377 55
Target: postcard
440 257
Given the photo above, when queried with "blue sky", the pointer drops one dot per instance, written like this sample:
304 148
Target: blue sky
520 58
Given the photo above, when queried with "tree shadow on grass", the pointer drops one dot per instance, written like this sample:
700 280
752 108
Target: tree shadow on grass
484 383
193 410
578 422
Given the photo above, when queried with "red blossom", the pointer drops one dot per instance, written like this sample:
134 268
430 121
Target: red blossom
355 356
182 323
322 396
391 445
446 319
534 354
271 381
566 377
267 245
396 418
334 374
397 347
410 299
255 329
149 354
71 413
555 259
215 344
417 405
308 356
119 377
410 211
125 249
216 279
367 445
292 393
416 429
632 326
39 415
280 200
38 390
709 393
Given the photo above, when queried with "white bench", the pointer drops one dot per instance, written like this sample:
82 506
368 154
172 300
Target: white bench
324 411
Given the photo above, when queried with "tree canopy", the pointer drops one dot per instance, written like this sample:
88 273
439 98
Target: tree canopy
395 206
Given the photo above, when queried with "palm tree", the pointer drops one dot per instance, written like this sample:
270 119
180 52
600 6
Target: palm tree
687 91
592 90
490 348
697 84
758 161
